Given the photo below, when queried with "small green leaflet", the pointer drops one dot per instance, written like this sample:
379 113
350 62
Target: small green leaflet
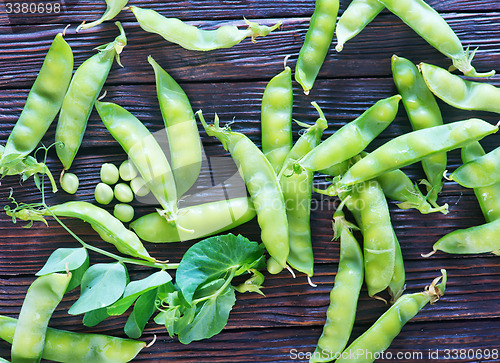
102 284
215 257
136 288
94 317
210 319
75 260
73 257
144 308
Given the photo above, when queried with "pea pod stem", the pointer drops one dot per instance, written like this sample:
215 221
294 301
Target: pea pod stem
113 7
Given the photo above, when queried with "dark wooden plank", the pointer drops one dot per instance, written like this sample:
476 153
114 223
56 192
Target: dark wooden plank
75 11
367 55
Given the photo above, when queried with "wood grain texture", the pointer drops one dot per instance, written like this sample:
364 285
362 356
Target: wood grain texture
230 82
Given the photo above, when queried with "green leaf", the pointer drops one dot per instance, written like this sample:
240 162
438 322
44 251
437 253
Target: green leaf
77 275
75 260
57 261
210 318
144 308
102 285
137 288
94 317
171 317
213 258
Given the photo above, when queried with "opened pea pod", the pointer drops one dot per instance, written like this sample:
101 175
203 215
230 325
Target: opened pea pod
83 91
190 37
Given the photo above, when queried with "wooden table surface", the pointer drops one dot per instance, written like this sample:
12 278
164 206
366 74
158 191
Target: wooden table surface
230 82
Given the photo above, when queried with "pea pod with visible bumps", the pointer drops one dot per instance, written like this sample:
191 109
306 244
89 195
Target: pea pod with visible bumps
381 334
427 23
473 240
43 102
354 19
83 91
481 172
192 38
145 153
353 137
43 296
263 186
423 111
69 347
109 228
344 296
197 221
297 191
415 146
276 118
488 197
317 42
460 93
183 136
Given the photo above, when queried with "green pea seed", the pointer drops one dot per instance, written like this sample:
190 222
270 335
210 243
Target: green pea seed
103 193
123 193
124 212
127 171
109 173
139 187
69 183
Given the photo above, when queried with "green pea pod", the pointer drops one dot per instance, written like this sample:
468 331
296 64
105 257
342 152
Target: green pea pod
395 184
26 167
381 334
427 23
369 205
83 91
488 197
144 151
297 191
263 186
113 8
192 38
43 102
397 284
198 221
276 118
183 136
68 347
353 20
317 42
344 296
473 240
423 111
460 93
42 298
481 172
353 137
415 146
109 228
